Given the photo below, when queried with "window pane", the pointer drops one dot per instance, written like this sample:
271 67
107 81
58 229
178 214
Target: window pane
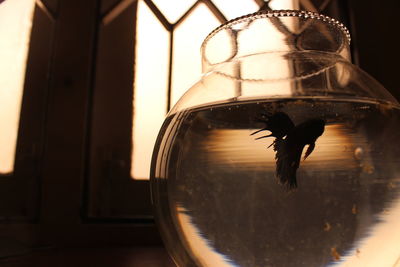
151 80
232 9
151 83
283 4
189 35
173 9
15 28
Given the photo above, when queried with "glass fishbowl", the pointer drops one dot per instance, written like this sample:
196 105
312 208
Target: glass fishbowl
284 153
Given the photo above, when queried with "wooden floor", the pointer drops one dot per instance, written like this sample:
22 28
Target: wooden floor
92 257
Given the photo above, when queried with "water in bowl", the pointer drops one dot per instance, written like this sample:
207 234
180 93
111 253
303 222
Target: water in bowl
223 193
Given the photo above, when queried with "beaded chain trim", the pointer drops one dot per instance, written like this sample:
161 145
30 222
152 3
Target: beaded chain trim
280 13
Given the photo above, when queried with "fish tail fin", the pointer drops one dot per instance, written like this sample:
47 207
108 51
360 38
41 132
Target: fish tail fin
286 165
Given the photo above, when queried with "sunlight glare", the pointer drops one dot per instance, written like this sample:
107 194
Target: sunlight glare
15 28
233 9
151 68
173 9
284 4
187 41
151 80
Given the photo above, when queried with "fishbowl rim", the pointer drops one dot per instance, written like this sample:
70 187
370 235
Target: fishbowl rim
276 14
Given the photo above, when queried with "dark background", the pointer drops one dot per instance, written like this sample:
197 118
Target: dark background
376 36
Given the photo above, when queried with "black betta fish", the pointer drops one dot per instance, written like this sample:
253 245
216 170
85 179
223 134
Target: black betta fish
289 143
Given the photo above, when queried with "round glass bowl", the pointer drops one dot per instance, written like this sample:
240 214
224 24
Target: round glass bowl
284 153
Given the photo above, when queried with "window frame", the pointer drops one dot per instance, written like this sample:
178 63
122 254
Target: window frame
20 189
110 188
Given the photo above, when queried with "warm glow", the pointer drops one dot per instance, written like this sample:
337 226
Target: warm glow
152 63
151 81
205 254
284 4
187 41
173 9
15 28
387 234
233 9
237 147
334 149
151 71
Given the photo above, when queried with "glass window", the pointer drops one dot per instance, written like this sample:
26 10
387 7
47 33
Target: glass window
168 62
147 56
15 29
168 39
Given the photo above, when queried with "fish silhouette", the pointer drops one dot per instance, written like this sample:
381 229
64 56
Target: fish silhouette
289 143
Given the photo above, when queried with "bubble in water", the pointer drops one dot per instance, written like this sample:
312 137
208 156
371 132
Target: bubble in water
358 153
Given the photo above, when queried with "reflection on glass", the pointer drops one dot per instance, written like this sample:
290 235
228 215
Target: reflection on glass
227 203
187 40
199 244
15 28
364 254
236 146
